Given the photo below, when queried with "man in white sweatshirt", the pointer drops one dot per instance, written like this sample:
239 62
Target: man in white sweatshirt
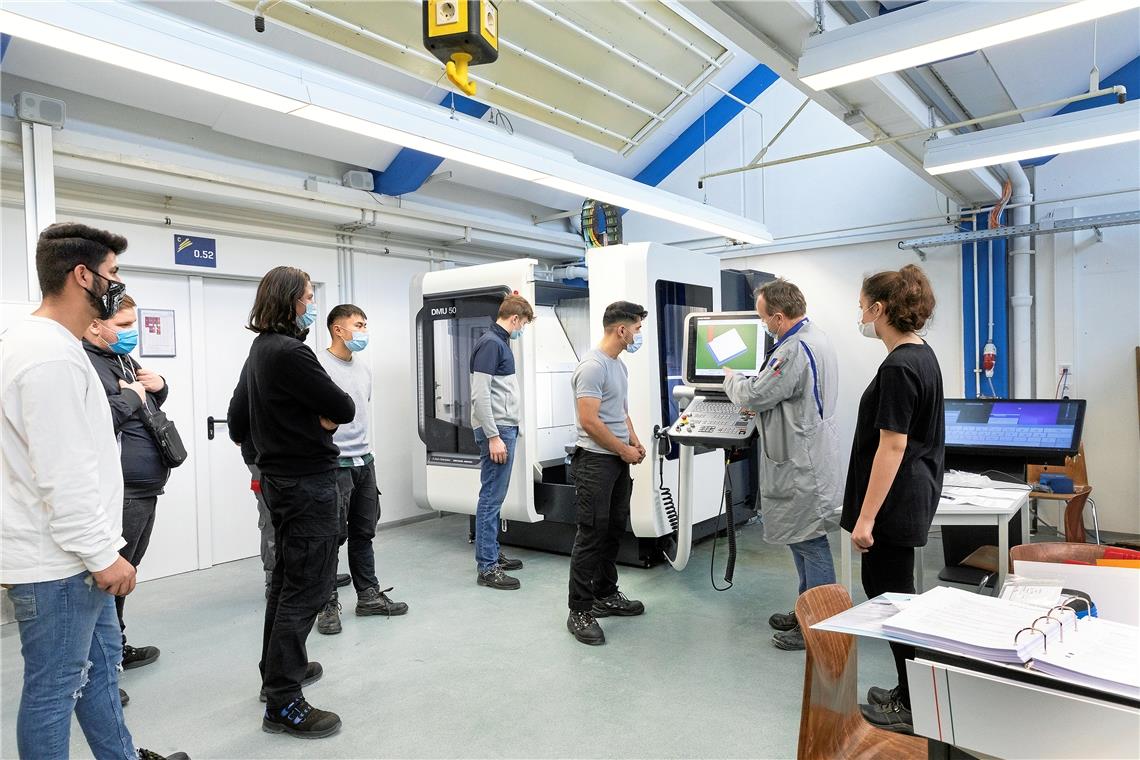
61 526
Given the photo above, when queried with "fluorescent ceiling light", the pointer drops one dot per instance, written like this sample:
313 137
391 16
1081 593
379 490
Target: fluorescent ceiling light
1092 128
659 206
420 129
934 31
107 52
415 142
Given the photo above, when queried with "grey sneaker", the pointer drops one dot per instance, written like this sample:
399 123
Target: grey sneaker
496 578
373 601
892 716
791 641
783 621
328 619
877 695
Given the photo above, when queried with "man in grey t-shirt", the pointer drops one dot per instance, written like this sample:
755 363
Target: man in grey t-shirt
607 445
356 470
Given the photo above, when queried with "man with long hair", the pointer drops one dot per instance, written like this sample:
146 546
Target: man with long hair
288 406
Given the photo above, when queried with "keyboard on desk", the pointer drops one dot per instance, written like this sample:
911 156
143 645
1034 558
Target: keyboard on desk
1031 436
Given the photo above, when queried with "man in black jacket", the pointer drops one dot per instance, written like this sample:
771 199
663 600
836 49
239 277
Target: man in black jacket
287 405
129 386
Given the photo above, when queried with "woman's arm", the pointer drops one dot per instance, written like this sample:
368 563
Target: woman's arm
888 458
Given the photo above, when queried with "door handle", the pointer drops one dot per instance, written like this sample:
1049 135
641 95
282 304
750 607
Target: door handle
210 422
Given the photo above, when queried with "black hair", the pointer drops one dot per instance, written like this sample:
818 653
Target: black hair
64 246
275 305
623 312
342 311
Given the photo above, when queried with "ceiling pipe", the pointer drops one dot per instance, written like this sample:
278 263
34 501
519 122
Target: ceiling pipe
1021 297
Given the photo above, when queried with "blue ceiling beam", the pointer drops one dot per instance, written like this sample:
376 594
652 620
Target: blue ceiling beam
1127 75
4 40
411 168
705 126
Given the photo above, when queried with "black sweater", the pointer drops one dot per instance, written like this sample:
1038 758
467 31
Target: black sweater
280 397
144 472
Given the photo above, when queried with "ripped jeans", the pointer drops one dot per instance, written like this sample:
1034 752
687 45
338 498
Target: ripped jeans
72 649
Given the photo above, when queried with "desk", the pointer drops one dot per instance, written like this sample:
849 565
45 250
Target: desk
956 513
954 704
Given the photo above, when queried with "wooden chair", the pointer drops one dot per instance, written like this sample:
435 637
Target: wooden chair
831 725
1075 469
1056 551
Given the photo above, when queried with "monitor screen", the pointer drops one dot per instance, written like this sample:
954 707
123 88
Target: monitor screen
713 342
1015 426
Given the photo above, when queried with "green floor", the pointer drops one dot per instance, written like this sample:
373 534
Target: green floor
472 672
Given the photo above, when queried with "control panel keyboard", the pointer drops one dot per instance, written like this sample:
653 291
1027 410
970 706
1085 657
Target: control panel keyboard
715 422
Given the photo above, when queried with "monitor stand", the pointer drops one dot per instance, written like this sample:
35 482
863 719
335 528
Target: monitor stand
958 541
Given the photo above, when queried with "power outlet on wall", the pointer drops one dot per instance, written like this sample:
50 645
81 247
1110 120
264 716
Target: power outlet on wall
1064 368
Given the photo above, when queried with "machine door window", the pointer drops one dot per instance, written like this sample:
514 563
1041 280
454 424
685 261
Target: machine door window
675 301
447 328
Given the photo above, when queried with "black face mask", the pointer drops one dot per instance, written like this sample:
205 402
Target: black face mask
107 304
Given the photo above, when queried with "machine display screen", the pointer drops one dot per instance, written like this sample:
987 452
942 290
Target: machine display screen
714 342
1014 424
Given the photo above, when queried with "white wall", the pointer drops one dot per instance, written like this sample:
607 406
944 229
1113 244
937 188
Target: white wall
1088 314
382 291
830 279
862 187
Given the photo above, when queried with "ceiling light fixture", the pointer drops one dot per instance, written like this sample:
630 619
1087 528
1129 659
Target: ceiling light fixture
1064 133
552 171
934 31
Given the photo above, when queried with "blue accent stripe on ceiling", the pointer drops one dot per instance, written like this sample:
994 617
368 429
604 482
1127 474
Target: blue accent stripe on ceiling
1127 75
704 127
4 40
410 168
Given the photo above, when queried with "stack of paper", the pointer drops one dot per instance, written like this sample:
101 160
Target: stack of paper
976 626
1101 654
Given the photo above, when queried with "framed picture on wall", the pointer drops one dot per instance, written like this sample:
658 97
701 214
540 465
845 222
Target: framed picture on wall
156 332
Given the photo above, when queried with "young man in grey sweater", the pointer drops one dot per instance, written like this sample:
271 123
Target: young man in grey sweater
495 416
356 476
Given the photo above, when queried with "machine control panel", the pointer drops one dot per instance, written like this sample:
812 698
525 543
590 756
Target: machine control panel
715 422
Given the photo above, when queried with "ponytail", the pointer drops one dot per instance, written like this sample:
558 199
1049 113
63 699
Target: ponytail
906 295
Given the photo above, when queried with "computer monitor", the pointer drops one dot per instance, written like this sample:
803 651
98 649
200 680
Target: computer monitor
1036 430
714 341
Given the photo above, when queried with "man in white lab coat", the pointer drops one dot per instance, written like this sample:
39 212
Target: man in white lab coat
795 394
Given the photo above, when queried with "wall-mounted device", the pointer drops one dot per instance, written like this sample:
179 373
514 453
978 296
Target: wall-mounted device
40 109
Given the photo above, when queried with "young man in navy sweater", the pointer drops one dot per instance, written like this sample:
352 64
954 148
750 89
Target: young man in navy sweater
495 415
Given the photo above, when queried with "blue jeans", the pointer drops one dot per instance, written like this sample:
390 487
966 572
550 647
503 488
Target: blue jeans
494 479
72 648
813 562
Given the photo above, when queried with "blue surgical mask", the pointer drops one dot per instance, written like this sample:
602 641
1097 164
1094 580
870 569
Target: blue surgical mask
632 347
126 342
769 333
306 320
358 342
516 334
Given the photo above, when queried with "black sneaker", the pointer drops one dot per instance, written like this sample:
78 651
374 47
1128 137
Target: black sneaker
877 695
507 563
891 717
783 621
373 601
585 628
617 604
136 657
789 641
146 754
343 579
299 718
123 698
496 578
313 673
328 619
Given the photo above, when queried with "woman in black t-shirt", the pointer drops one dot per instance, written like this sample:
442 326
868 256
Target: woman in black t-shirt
897 458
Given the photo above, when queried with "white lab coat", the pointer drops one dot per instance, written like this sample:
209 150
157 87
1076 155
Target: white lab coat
795 396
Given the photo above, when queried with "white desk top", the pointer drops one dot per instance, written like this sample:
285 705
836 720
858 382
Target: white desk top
980 501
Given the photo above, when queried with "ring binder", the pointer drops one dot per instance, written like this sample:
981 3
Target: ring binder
1061 626
1066 607
1034 629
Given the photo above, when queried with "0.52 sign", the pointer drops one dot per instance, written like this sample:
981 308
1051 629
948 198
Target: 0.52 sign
195 251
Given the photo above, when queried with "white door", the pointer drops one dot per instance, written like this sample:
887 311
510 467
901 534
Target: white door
232 506
174 542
